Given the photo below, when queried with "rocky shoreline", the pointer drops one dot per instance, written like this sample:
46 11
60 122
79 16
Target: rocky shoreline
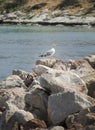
43 18
56 95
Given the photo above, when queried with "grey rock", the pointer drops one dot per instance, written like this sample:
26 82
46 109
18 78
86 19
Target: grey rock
36 102
61 105
12 115
14 95
11 82
85 118
41 69
62 82
84 69
87 74
35 82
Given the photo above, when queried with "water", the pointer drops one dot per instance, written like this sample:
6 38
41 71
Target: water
20 46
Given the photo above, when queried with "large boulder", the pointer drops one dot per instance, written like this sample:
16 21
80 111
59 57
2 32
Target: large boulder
46 62
13 114
36 102
86 118
11 82
61 105
84 70
15 95
67 80
87 73
40 69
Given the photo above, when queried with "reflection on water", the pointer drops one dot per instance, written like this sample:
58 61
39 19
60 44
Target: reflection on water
20 46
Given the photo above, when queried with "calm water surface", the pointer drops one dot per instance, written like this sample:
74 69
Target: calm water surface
20 46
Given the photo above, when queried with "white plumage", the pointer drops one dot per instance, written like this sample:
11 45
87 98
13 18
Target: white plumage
50 52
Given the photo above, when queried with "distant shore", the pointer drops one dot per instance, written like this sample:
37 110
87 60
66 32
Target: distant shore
18 17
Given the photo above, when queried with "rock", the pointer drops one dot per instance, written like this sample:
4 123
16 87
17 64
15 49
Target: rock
60 65
55 13
91 60
35 82
57 128
61 105
90 127
40 69
4 96
11 82
36 102
11 16
56 89
19 13
15 95
86 118
26 76
76 126
46 62
12 115
22 74
71 120
67 65
84 69
35 123
87 73
18 97
62 82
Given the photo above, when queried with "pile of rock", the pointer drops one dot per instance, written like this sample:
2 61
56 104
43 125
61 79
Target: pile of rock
57 95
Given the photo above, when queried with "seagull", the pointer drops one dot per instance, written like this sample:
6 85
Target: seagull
50 52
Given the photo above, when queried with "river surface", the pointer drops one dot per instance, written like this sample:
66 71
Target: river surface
20 46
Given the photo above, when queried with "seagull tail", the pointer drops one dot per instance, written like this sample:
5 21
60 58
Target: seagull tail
43 55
